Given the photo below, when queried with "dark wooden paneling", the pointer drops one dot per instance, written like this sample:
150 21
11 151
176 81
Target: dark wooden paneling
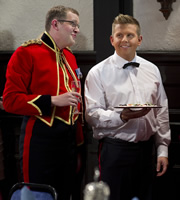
4 58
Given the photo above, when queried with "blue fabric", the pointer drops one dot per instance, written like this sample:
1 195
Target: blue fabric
26 194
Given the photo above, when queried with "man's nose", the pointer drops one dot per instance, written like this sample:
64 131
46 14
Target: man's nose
125 39
77 29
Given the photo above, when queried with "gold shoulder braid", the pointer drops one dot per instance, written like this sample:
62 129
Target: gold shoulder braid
68 48
29 42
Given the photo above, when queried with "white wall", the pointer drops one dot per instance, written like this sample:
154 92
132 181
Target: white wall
21 20
158 33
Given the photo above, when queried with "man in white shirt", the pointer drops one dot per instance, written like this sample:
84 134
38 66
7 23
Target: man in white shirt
127 137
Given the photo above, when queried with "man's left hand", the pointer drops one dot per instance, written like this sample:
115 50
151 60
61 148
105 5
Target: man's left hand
162 165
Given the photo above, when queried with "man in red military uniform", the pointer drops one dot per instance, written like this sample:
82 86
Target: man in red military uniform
38 86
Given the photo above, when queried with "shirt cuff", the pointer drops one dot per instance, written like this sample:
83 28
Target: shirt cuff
162 151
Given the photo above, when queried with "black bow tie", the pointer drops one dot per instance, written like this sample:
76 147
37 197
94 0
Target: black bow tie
134 64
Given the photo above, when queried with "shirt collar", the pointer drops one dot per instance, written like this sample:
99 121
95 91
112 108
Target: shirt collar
119 61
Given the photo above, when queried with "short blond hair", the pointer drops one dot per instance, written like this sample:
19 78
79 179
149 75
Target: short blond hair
126 19
57 12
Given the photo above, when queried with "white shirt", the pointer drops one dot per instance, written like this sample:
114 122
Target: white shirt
107 85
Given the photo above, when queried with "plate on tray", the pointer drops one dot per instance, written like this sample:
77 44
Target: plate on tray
138 107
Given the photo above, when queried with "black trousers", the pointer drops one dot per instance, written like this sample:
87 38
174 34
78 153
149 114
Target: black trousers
128 168
52 155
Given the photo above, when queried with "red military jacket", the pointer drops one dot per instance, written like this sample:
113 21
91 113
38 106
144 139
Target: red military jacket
36 71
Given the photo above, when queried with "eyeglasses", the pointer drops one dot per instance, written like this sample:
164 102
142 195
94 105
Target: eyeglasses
73 24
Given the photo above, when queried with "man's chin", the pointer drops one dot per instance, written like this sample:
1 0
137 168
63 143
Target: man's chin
72 43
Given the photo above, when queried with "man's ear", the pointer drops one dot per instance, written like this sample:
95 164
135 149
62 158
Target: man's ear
54 23
111 39
140 40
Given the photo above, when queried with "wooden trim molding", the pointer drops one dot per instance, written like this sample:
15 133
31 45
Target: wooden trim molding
161 56
166 7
